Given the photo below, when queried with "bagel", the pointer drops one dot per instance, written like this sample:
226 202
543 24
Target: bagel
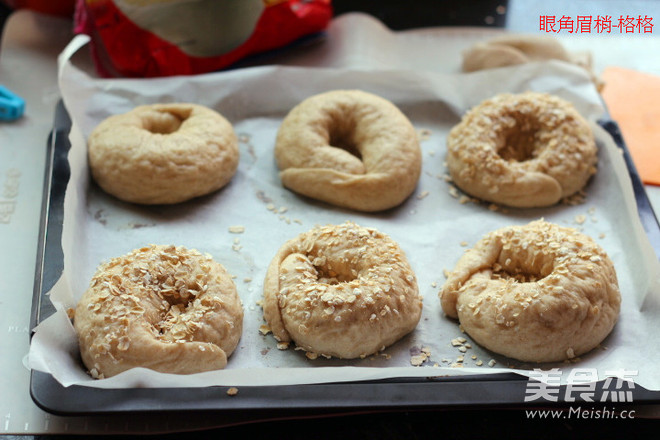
538 292
163 153
345 291
522 150
165 308
349 148
512 50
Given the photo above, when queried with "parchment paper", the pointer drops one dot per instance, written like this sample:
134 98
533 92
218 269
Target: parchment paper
432 226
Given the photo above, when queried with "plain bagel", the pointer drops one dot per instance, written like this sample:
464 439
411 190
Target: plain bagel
163 153
538 292
522 150
349 148
345 291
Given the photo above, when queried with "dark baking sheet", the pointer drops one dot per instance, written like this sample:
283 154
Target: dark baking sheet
501 390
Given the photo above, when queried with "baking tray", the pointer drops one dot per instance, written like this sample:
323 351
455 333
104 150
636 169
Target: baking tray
481 390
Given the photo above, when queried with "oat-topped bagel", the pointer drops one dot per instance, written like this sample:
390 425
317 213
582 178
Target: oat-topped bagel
344 291
522 150
163 153
539 292
166 308
349 148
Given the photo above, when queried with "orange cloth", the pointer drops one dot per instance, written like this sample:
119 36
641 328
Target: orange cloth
633 100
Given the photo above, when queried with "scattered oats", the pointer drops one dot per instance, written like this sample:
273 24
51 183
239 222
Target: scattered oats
432 153
423 134
386 356
418 360
453 191
236 247
232 391
271 207
462 349
570 353
462 340
295 220
463 199
456 365
473 357
311 355
434 284
461 358
479 363
422 195
580 219
237 229
601 235
456 342
491 363
283 209
247 280
575 199
426 351
468 345
445 360
282 345
464 243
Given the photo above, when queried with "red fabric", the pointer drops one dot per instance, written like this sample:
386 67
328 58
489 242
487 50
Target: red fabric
54 7
121 48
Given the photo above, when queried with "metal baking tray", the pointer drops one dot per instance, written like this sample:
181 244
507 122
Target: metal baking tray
487 390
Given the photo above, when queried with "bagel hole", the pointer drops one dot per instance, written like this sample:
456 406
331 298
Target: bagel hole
520 142
332 276
515 275
341 138
166 122
519 274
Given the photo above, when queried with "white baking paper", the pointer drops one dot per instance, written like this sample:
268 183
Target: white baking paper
432 226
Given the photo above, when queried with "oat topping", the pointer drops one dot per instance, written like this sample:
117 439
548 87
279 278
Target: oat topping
171 293
341 275
531 280
523 150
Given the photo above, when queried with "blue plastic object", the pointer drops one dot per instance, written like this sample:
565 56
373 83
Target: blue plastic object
12 106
